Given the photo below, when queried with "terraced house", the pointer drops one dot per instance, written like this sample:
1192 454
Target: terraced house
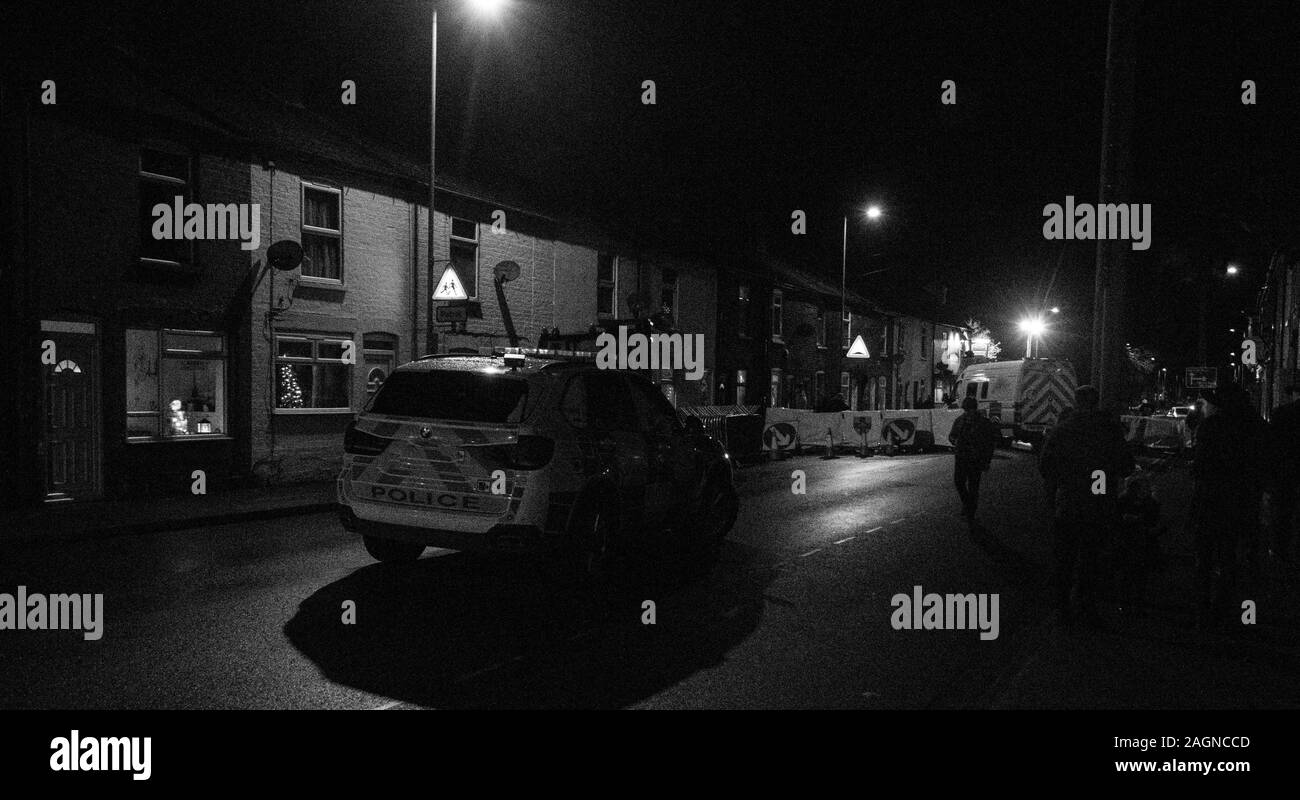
151 360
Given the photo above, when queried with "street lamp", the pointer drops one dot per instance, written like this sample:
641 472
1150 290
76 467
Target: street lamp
1033 328
481 8
1056 309
1233 269
872 212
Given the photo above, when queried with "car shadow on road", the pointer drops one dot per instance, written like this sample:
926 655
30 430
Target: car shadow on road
460 631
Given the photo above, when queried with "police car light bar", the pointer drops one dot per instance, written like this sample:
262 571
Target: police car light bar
510 353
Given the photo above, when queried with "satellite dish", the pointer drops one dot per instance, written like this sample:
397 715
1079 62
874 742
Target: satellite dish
638 302
284 255
506 271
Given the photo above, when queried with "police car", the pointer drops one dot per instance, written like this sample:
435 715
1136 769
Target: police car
531 451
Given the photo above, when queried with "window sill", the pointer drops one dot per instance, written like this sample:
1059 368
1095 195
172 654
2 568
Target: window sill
311 411
190 437
322 283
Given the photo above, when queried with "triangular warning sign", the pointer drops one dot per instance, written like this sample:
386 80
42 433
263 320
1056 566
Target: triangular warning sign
859 349
449 287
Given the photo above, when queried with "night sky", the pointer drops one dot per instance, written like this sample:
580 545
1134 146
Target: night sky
763 108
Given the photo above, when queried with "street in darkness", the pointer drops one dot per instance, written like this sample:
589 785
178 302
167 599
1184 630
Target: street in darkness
659 355
797 615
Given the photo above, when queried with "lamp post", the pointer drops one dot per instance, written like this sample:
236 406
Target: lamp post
482 8
1032 327
872 212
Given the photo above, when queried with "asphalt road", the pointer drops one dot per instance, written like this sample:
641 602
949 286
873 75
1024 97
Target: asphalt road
796 615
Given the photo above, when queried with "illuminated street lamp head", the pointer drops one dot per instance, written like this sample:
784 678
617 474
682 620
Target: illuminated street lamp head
486 8
1033 326
874 212
1233 269
1056 310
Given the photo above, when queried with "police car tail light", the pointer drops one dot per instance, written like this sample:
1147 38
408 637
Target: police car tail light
532 452
359 443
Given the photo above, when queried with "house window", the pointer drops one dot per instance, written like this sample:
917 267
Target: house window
313 372
464 253
322 233
742 376
777 320
175 384
668 295
844 385
846 324
775 387
821 328
163 178
606 284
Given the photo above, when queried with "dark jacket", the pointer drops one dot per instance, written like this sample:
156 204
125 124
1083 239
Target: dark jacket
1086 441
1230 467
974 438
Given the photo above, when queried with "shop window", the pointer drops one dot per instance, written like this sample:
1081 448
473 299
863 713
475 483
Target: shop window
312 372
175 384
322 233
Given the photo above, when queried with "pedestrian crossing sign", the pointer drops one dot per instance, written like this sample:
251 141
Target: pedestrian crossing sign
858 349
449 287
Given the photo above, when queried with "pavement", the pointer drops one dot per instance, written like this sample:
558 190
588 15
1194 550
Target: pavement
252 613
97 519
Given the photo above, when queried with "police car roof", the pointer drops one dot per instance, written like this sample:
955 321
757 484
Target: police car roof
473 363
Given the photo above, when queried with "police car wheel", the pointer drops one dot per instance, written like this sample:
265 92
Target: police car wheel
390 551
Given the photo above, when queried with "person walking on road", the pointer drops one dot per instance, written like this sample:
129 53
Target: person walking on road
1228 478
974 438
1083 463
1284 483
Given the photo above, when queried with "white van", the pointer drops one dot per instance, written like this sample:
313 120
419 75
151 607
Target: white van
1025 398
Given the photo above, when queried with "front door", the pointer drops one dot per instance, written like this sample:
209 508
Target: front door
70 397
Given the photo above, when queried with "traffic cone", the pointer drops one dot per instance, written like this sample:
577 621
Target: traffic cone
830 445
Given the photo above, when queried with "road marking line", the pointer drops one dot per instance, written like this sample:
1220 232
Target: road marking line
873 530
387 706
849 539
896 521
478 672
810 552
731 612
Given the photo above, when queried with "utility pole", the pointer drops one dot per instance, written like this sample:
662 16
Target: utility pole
1116 166
431 337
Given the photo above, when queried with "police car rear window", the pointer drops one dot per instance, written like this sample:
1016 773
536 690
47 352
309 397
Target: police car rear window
461 395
